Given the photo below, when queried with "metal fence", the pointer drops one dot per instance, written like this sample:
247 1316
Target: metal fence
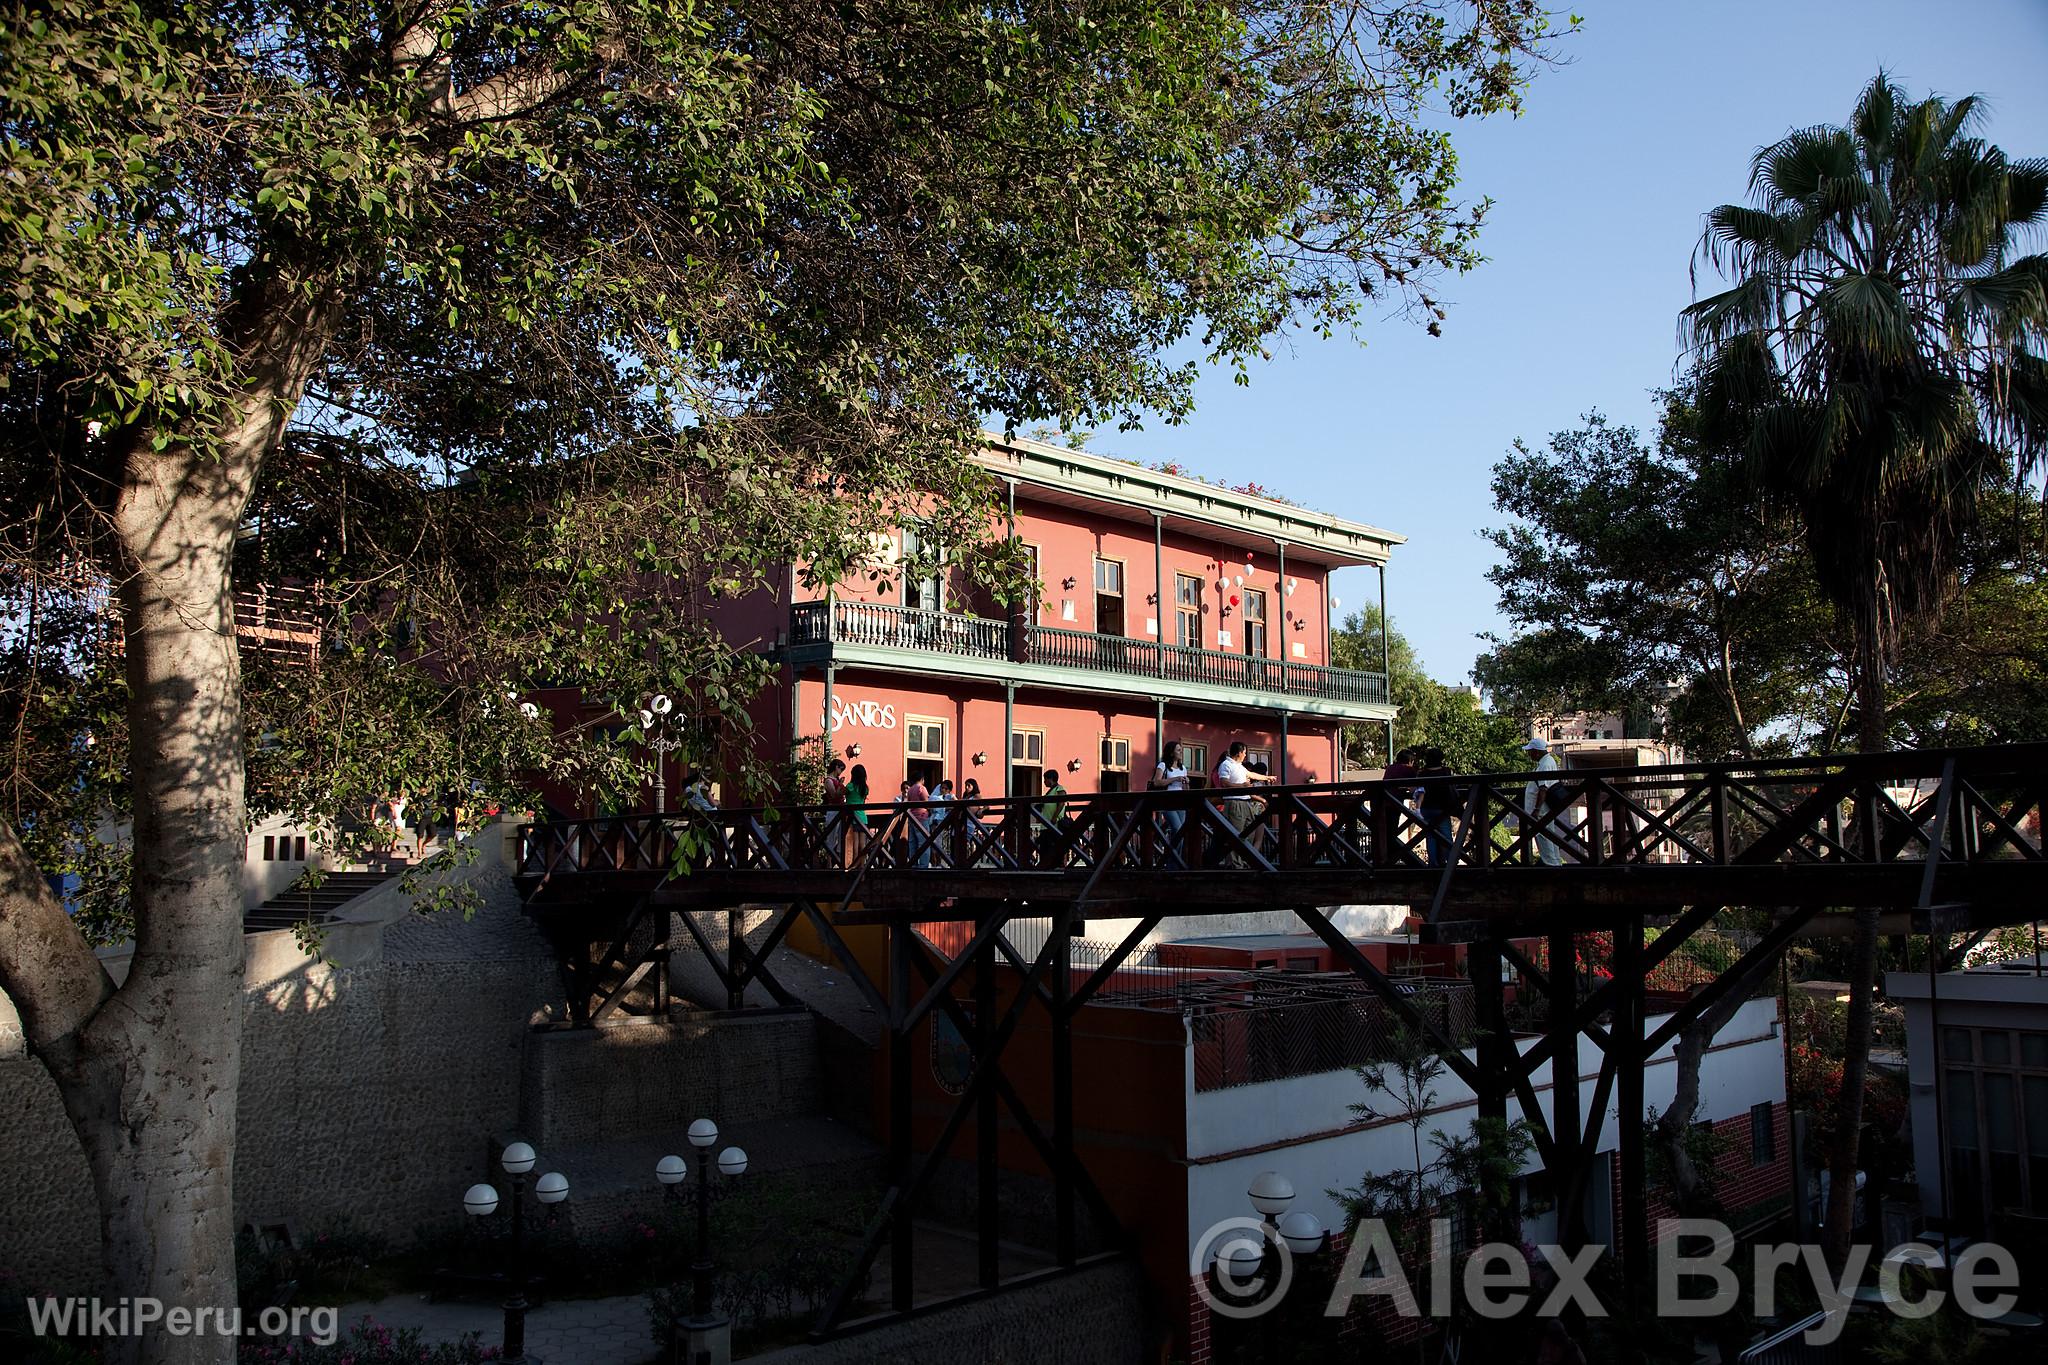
1249 1041
1248 1026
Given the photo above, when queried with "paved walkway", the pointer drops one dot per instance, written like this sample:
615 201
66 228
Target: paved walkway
563 1332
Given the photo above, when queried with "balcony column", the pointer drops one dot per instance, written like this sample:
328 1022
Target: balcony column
796 709
1386 656
1009 730
1159 594
1280 759
827 713
1280 592
1021 612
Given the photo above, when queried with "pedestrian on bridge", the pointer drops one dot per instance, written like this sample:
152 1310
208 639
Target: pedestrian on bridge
1437 801
1537 798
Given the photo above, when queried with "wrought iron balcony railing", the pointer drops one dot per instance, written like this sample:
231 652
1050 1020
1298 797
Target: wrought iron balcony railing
974 637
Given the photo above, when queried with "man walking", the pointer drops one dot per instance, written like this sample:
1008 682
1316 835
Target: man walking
1239 808
1536 798
1052 815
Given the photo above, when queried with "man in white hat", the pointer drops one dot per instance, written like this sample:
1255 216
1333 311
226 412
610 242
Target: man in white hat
1536 796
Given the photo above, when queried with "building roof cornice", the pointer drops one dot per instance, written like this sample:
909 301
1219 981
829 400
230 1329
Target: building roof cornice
1056 474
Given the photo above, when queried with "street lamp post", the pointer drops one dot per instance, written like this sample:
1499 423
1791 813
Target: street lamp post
658 733
707 1334
1258 1275
481 1200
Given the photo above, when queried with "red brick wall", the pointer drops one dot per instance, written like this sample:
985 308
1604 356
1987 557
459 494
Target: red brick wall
1744 1186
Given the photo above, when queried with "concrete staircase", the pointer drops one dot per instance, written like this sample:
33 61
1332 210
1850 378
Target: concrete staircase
318 905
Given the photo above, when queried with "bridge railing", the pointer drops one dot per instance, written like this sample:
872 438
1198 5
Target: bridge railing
1960 805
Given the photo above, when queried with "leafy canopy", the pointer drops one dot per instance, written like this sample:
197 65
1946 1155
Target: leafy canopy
591 316
1879 352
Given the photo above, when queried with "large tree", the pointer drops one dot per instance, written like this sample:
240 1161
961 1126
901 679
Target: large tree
487 322
1632 566
1880 353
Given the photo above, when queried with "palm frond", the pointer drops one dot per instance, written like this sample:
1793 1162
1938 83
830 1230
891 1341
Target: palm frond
2026 191
1748 308
1876 119
1867 314
2018 403
2007 305
1797 168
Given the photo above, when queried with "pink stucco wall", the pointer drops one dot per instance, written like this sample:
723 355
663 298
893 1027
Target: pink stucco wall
873 708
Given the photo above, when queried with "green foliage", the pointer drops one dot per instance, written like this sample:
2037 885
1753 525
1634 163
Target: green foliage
1635 566
1475 1167
1447 716
591 319
1877 356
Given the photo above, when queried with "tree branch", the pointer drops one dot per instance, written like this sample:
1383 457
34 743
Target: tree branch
53 977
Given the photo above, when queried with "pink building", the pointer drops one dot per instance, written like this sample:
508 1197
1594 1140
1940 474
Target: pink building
1171 609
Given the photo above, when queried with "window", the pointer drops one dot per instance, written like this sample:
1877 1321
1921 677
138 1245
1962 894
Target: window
1763 1135
1258 760
1997 1095
922 593
1027 762
1301 964
1116 764
1195 758
924 749
1109 596
1187 611
1255 624
1032 569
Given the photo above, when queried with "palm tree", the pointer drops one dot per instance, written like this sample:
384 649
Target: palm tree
1879 354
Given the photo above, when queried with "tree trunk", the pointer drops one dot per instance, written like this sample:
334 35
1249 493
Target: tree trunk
149 1073
1845 1150
1689 1050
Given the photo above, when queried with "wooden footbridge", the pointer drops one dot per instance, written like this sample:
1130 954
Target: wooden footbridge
1942 843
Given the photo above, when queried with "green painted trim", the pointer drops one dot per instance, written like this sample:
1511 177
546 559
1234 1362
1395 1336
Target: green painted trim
1220 509
1059 678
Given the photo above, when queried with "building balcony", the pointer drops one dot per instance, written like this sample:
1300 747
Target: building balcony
883 633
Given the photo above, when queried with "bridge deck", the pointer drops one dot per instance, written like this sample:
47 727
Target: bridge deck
1895 831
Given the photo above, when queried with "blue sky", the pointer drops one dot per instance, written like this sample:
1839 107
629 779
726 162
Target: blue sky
1598 194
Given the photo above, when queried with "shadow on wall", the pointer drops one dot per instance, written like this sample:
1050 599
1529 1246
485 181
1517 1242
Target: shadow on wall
370 1091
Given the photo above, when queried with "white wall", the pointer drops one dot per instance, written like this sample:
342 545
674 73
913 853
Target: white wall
1303 1127
260 879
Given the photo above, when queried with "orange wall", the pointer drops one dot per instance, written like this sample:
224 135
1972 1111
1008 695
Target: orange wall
873 708
1070 541
1130 1120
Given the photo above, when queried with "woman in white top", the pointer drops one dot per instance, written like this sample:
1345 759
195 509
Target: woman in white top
1171 776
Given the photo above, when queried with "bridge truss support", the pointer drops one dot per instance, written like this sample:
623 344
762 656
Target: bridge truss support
1942 844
